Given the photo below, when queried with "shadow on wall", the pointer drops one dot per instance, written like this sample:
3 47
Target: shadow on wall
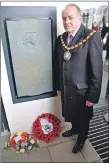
4 122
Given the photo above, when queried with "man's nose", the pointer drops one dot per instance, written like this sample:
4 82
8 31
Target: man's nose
67 21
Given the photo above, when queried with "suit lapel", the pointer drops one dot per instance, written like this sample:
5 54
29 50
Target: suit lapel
79 36
65 37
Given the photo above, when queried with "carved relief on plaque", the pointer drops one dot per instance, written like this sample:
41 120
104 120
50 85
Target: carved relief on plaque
31 51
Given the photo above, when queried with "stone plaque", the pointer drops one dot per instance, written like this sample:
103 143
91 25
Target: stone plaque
30 42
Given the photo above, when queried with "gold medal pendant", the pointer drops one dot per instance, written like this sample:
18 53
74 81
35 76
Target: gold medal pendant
67 55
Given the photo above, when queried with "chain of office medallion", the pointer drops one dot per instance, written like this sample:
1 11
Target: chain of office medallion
76 45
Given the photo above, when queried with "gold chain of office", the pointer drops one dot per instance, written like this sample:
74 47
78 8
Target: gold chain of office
78 44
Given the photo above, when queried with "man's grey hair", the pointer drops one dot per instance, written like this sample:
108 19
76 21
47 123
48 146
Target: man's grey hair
74 5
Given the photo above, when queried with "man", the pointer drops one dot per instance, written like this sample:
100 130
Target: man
106 47
104 30
79 73
95 26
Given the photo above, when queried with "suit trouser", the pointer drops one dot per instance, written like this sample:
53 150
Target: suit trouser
81 127
76 112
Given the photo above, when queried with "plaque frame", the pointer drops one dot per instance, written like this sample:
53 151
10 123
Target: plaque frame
50 12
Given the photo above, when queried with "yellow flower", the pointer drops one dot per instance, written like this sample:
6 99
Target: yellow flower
6 144
22 150
19 133
32 141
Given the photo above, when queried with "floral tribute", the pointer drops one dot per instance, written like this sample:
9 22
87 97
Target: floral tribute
46 127
21 142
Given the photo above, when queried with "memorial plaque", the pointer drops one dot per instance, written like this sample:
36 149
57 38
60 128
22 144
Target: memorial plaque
30 43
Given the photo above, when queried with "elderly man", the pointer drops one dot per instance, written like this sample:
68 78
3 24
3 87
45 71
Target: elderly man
79 73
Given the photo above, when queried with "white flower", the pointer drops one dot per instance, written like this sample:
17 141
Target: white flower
23 144
32 141
29 147
22 150
38 142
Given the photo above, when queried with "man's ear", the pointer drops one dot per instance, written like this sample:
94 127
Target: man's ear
81 18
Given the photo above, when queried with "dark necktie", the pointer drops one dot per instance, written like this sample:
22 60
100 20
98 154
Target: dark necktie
69 40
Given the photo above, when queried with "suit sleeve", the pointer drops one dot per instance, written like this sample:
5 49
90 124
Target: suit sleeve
56 66
95 68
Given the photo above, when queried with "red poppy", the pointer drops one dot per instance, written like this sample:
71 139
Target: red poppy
24 136
37 128
13 145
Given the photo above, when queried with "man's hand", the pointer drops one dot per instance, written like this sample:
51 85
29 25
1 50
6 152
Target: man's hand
89 104
59 93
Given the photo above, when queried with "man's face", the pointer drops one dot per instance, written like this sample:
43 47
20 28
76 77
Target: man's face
71 19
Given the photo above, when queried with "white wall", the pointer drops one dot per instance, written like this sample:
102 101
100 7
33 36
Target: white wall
59 5
20 116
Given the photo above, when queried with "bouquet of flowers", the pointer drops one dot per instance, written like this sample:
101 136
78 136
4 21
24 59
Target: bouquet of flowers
21 142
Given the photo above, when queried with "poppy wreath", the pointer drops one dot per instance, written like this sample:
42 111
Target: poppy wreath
46 127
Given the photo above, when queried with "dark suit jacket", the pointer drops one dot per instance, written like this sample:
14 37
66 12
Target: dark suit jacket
83 72
104 31
107 43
